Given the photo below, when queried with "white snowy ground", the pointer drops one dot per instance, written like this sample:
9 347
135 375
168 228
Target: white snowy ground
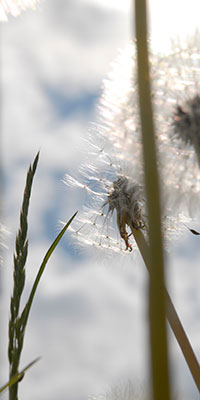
89 319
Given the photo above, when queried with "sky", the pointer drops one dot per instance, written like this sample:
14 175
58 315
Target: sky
89 318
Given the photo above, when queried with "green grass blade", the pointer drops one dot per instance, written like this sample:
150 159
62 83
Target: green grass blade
18 376
26 311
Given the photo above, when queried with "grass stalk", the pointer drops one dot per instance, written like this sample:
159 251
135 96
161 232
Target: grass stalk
18 322
157 299
21 251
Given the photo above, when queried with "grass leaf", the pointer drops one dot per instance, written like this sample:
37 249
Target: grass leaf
18 377
26 311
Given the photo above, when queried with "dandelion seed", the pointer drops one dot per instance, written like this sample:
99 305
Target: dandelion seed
194 231
14 7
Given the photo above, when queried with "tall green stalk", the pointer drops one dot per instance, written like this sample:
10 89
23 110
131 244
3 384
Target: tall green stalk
157 300
21 250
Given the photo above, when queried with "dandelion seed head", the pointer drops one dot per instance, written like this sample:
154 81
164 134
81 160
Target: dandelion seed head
112 176
114 202
111 196
178 108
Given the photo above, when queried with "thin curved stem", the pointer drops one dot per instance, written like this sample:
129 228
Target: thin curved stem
172 316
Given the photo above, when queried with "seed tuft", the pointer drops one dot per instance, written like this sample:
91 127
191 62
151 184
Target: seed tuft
126 199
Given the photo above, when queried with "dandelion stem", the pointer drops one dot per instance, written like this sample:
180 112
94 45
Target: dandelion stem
172 315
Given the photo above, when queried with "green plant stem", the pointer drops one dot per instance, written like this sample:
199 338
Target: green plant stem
157 300
172 316
21 251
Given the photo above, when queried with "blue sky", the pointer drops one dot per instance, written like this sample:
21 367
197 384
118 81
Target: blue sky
89 319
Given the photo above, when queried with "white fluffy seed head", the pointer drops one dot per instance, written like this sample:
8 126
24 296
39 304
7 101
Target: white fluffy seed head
111 196
175 87
114 200
113 174
180 110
